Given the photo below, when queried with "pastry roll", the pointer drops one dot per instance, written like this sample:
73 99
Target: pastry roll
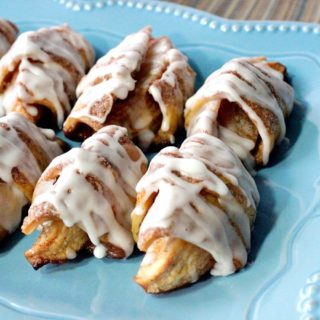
83 200
245 104
8 34
25 151
194 212
142 84
40 72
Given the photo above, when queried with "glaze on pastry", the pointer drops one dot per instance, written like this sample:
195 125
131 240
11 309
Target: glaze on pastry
245 104
8 34
83 200
141 84
25 151
194 212
40 72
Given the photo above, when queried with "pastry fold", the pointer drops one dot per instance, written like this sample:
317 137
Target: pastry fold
194 212
25 151
8 34
245 104
83 200
141 84
40 72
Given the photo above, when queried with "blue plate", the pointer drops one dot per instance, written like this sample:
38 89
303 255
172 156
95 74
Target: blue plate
282 280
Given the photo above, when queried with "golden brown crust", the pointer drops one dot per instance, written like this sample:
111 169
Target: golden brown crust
54 242
140 113
45 213
113 251
44 117
231 116
44 112
177 262
234 118
138 218
171 263
7 33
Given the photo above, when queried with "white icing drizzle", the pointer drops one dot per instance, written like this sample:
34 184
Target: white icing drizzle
240 145
15 153
111 77
8 33
102 208
180 77
47 65
12 200
179 208
71 254
254 84
145 68
153 66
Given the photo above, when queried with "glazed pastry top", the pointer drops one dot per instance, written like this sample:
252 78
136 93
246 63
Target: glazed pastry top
142 84
107 167
177 74
112 76
244 81
182 180
15 152
18 161
45 66
163 70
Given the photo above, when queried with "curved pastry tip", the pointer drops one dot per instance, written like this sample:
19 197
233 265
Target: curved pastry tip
172 263
147 29
56 244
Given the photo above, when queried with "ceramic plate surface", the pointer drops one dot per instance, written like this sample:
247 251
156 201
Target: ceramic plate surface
282 279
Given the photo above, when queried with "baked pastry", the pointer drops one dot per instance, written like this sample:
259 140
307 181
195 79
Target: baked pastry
111 78
245 104
195 208
25 151
40 72
83 200
142 84
8 34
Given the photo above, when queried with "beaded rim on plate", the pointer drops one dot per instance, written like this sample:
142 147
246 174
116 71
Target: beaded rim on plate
196 16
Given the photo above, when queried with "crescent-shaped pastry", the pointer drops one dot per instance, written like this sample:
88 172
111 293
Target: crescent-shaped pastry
8 34
83 200
40 72
110 79
25 151
141 84
245 104
194 212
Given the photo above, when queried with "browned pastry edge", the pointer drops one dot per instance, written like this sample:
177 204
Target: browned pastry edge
209 195
6 32
46 112
138 100
79 131
52 243
173 264
55 239
19 179
176 261
230 115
